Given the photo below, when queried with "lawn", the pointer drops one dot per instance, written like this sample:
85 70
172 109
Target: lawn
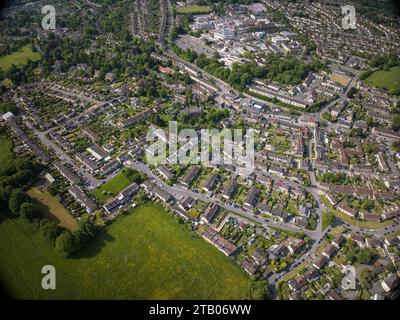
143 255
5 149
112 187
327 219
19 58
343 80
362 224
193 9
294 272
385 79
52 209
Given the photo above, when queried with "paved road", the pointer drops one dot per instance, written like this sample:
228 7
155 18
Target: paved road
94 182
61 155
179 192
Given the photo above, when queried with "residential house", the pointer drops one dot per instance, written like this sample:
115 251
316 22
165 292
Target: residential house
320 262
190 176
66 173
208 215
164 172
311 274
229 188
251 197
338 240
329 251
83 199
186 203
248 267
390 283
259 257
347 210
210 183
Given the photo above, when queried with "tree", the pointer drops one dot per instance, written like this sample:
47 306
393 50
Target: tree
4 196
17 198
178 219
396 122
50 230
81 237
327 219
87 226
258 290
29 210
364 255
21 178
366 278
350 256
66 244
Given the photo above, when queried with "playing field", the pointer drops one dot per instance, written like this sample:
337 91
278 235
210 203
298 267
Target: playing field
112 187
385 79
5 149
343 80
144 255
19 58
193 9
52 209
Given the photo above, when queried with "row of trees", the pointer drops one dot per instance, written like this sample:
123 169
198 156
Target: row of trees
15 175
286 70
384 61
354 254
67 243
18 174
334 178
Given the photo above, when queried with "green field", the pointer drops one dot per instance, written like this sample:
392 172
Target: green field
19 58
112 187
385 79
5 149
144 255
193 9
52 209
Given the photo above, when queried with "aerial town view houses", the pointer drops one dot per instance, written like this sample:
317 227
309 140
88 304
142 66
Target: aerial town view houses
317 218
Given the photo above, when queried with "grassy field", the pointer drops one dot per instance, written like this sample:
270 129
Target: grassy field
5 149
7 82
294 272
193 9
326 215
52 209
343 80
385 79
112 187
144 255
19 58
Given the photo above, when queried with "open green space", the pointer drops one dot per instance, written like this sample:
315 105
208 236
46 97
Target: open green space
6 152
112 187
294 272
193 9
19 58
327 219
143 255
52 209
385 79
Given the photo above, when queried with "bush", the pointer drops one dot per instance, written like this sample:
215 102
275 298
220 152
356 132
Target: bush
258 290
66 244
365 255
29 210
50 230
17 198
